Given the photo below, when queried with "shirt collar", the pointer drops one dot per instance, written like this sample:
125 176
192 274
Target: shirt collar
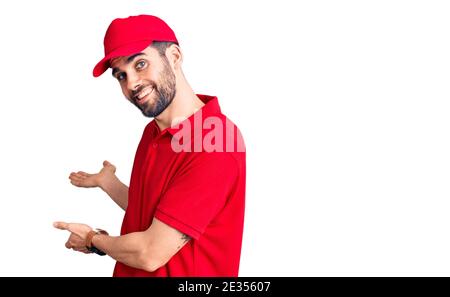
210 108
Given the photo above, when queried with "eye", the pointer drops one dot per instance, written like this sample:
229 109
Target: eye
141 64
120 76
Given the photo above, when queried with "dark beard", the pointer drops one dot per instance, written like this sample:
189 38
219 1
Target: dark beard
164 93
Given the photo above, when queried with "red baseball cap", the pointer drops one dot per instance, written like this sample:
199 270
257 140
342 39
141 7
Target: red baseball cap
127 36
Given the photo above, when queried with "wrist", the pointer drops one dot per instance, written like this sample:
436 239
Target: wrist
105 183
90 236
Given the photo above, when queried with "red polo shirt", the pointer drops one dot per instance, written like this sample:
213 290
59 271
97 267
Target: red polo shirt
196 184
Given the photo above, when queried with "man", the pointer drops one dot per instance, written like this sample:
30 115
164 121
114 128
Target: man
184 208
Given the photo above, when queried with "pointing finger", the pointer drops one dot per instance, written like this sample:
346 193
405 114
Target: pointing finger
61 225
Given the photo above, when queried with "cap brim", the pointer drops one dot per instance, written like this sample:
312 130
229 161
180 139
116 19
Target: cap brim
126 50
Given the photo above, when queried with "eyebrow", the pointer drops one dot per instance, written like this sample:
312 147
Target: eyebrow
128 61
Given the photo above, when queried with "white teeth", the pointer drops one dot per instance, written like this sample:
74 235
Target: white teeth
144 93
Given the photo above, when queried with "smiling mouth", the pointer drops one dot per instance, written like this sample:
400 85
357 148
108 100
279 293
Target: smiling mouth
142 95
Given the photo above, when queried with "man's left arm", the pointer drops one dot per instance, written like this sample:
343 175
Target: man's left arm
147 250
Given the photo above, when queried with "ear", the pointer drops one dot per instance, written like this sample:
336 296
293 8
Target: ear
175 56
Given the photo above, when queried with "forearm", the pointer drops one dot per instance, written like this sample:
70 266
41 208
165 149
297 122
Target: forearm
117 190
131 249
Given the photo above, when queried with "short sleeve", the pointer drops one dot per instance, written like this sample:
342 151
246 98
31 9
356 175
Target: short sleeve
198 192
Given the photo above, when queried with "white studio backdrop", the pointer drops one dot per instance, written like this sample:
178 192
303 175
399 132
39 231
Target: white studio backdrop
344 106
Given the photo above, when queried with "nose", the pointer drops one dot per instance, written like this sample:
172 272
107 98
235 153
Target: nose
133 83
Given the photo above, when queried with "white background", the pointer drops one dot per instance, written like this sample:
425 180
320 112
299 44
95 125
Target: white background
344 106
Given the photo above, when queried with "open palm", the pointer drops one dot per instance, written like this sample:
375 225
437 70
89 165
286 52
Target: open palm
90 180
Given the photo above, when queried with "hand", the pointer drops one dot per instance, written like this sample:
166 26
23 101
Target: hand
87 180
77 238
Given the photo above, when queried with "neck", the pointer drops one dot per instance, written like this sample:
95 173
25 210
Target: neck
184 104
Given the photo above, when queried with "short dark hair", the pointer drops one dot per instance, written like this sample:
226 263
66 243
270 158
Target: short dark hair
161 46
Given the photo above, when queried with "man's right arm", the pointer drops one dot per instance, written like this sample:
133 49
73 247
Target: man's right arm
117 190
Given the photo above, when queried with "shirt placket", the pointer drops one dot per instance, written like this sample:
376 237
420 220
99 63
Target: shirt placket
149 160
